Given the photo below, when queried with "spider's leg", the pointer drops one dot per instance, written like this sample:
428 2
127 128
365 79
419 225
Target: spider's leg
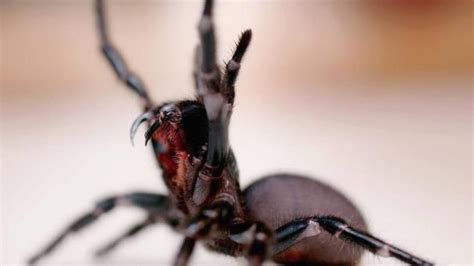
209 74
294 231
200 227
132 231
340 229
152 203
216 95
185 252
206 72
196 69
208 81
256 239
232 67
116 60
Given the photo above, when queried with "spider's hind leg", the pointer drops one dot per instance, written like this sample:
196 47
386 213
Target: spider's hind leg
292 232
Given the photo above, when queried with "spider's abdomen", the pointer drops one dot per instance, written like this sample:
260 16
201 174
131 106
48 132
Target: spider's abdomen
279 199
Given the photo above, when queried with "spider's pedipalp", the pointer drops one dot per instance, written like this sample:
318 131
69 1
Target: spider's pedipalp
242 45
233 66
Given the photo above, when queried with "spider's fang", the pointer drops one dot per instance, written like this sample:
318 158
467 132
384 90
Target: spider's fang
151 130
136 124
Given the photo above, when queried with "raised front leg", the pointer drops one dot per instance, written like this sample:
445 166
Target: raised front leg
157 205
217 96
116 60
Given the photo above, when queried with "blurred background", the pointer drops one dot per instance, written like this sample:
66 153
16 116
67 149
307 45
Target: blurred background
372 97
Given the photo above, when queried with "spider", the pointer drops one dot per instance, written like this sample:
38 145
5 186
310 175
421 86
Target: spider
287 218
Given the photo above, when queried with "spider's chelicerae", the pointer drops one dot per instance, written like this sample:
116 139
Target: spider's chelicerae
286 218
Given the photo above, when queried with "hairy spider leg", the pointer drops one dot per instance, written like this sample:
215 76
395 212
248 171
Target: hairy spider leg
156 204
288 234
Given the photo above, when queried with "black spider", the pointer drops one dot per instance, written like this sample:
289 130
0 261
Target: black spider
286 218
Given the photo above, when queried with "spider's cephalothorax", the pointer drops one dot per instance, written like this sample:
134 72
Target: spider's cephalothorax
287 218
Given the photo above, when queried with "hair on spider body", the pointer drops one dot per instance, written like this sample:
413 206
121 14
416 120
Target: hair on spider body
287 218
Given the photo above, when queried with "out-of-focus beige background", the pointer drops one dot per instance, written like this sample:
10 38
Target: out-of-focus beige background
373 97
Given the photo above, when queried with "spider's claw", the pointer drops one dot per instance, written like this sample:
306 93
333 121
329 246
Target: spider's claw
151 130
136 124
